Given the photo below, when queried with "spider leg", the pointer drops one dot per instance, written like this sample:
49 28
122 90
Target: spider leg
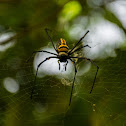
46 30
66 65
40 51
73 81
37 73
79 49
92 63
78 42
59 64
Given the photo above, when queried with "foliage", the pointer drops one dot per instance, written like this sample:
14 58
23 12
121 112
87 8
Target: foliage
26 21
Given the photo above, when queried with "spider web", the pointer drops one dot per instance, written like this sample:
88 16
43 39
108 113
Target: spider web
49 106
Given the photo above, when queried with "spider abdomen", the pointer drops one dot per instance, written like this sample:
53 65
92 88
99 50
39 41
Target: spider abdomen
62 46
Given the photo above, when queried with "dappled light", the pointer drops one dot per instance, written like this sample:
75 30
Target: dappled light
104 37
119 9
4 37
51 67
71 10
11 85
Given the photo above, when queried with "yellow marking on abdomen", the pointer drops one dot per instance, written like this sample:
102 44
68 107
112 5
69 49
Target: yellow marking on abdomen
62 49
63 46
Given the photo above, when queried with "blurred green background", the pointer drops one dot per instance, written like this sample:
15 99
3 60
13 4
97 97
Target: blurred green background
22 24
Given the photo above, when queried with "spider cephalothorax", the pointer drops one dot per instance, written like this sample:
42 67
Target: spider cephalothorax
64 54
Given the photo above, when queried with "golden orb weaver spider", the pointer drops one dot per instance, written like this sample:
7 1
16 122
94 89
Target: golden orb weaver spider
63 54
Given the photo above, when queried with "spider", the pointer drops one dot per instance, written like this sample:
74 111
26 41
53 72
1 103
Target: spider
63 54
